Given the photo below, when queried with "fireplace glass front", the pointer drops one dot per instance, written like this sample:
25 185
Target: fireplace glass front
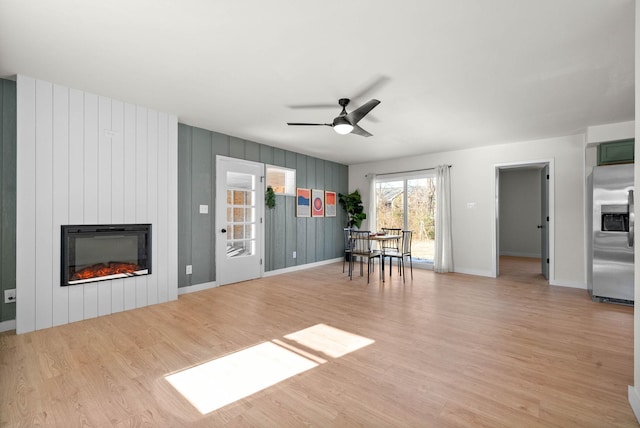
99 252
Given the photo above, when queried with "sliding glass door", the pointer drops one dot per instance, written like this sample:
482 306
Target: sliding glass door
409 202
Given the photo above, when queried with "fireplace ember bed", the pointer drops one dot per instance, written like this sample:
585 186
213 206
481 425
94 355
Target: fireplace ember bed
92 253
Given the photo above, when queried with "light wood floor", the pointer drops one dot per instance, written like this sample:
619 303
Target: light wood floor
450 351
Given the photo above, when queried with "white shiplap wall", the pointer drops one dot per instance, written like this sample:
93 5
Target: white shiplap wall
87 159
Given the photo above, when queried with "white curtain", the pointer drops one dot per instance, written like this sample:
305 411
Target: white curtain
443 258
371 213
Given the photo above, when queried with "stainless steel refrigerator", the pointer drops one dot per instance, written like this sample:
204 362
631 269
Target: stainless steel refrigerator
611 246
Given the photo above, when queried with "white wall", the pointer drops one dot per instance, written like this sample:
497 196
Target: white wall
473 180
520 212
86 159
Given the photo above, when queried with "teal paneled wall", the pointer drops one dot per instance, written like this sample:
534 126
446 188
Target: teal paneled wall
313 239
8 147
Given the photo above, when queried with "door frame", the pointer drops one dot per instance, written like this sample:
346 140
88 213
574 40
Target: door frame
259 214
495 207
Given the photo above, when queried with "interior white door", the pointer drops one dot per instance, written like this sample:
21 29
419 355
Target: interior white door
544 221
239 224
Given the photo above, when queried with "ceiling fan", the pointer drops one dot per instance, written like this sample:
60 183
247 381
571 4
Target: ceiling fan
346 123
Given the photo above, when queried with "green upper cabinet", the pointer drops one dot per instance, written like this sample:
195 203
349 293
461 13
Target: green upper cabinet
616 152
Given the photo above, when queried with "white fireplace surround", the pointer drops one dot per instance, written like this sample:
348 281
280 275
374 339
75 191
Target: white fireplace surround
88 159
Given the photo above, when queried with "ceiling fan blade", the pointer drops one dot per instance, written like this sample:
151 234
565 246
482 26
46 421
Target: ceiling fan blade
308 124
311 106
355 116
359 131
371 87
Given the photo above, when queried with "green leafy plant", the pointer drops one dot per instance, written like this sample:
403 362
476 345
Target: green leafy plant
352 204
270 197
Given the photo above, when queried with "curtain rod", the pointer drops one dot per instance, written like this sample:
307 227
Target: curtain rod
406 172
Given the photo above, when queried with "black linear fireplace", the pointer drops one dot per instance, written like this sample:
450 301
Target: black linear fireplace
109 251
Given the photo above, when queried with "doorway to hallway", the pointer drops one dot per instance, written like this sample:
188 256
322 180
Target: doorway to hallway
523 224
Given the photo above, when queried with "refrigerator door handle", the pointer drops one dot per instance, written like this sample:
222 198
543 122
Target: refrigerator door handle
632 220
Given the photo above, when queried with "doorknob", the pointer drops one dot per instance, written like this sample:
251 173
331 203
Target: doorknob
540 226
223 230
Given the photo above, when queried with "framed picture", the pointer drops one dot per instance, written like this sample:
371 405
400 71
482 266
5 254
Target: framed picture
329 203
303 202
317 203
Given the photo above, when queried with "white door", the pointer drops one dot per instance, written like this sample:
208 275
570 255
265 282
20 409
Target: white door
544 221
239 213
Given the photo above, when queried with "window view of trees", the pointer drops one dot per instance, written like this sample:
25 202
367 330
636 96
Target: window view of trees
418 213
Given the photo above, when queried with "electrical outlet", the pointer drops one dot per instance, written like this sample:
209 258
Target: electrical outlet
189 269
295 255
10 295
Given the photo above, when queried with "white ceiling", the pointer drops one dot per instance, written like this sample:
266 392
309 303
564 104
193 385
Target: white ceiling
451 74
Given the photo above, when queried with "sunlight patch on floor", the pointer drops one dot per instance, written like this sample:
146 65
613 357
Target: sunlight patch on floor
222 381
330 341
216 383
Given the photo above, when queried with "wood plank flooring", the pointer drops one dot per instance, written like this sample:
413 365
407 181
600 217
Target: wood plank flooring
450 351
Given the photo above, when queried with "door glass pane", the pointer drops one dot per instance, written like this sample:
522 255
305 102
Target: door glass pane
390 204
421 211
240 214
419 217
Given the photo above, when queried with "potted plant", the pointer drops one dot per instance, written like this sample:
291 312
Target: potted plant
270 197
352 204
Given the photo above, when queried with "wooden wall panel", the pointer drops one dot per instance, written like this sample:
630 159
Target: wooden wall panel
277 243
184 203
26 206
104 160
43 262
90 163
117 162
152 202
236 148
171 236
60 185
8 145
279 157
129 180
76 187
252 151
201 254
142 182
301 223
117 190
85 159
160 242
266 154
291 225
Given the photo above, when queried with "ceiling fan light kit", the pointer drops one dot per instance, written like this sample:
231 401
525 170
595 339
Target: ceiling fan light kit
342 125
347 123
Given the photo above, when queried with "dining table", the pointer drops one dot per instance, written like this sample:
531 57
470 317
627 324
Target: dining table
382 237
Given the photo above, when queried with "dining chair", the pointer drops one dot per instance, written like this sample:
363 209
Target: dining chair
348 248
362 248
403 253
390 245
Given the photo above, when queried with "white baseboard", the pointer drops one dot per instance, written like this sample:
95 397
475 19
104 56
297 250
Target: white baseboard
213 284
570 284
634 401
474 272
197 287
7 325
517 254
301 267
